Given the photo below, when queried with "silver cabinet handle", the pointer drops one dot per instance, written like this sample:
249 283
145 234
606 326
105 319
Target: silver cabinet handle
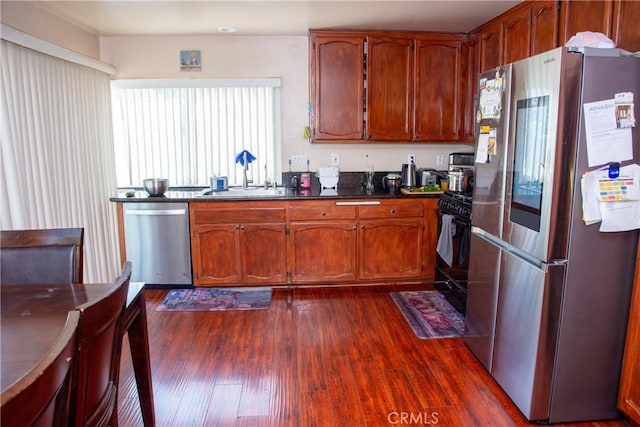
367 203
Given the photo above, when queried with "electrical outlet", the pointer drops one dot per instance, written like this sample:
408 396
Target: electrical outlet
335 160
411 158
439 160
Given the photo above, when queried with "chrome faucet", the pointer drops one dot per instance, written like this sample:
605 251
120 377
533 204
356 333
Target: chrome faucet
245 167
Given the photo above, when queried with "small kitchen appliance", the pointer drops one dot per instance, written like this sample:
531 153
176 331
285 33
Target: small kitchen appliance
427 177
409 175
461 173
329 177
392 182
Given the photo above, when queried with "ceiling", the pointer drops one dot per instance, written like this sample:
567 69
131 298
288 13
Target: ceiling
271 17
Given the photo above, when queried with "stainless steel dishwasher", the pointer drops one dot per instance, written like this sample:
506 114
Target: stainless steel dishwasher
157 243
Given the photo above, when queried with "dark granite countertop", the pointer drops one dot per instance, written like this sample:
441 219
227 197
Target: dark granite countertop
349 187
184 195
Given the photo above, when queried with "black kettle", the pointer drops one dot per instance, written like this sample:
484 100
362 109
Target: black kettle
409 175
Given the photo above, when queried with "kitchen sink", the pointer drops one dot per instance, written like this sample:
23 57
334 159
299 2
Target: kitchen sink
243 193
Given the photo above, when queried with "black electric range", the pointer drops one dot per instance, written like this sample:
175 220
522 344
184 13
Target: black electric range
452 269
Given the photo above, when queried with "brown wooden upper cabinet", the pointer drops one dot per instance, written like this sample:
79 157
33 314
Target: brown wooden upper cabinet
527 29
337 87
533 27
490 41
578 16
530 30
389 88
440 91
392 86
618 19
412 86
626 27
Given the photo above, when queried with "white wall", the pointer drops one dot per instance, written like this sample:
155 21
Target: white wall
251 56
31 19
225 56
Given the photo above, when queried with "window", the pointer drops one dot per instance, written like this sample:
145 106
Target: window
188 130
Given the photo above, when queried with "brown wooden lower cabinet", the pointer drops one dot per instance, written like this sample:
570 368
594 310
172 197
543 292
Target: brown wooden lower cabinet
390 249
629 396
313 242
238 244
322 251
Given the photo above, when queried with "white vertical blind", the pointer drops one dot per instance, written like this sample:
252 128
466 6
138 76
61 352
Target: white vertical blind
187 131
57 153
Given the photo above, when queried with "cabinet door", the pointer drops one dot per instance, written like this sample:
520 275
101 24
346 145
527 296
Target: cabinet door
430 237
490 46
390 249
544 26
517 35
629 395
473 69
215 251
263 253
576 16
322 251
439 90
337 88
626 25
389 88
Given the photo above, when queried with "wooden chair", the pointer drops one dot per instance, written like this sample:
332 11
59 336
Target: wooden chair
41 397
44 257
97 367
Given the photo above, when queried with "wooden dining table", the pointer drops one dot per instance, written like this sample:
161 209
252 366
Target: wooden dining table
32 317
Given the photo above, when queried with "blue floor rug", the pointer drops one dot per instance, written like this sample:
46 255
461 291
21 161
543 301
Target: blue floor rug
216 299
429 314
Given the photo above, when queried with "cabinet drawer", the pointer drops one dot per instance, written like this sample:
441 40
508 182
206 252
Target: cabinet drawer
395 210
234 215
321 211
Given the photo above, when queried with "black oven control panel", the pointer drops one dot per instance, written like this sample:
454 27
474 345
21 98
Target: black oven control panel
456 206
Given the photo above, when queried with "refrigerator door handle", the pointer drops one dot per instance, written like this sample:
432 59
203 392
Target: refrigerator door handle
525 256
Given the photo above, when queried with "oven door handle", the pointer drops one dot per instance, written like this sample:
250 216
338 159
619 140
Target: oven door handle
456 218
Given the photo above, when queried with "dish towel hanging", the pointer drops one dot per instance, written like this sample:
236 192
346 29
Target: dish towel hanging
241 155
465 245
445 241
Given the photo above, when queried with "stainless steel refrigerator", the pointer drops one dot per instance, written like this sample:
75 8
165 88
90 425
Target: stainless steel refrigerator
548 296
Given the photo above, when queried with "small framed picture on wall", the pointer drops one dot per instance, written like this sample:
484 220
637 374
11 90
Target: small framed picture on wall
190 60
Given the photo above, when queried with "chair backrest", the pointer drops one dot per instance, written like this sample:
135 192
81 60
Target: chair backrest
41 397
44 257
95 378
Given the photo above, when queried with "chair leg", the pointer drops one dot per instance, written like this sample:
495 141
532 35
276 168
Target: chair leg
113 422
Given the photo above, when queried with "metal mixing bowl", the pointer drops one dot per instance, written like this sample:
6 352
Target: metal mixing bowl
156 186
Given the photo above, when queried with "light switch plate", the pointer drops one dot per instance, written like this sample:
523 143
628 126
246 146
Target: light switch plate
335 160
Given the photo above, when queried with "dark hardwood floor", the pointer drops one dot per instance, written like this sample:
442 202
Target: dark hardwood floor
317 357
